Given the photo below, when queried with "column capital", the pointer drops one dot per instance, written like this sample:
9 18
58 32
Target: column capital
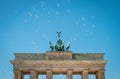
33 71
48 69
16 70
85 70
101 70
69 71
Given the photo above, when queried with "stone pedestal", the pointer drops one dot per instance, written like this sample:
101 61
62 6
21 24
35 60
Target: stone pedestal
59 55
85 74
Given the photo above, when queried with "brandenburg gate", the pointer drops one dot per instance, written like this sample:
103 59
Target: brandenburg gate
59 60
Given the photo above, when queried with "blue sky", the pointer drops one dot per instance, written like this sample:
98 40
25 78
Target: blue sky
92 26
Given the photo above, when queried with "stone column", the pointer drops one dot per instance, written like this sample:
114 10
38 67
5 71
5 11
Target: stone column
100 74
48 74
69 74
33 74
85 74
15 75
18 75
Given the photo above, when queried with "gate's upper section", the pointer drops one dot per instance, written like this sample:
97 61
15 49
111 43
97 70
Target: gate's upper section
59 60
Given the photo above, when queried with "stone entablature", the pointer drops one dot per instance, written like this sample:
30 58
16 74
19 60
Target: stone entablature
63 66
59 55
59 61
